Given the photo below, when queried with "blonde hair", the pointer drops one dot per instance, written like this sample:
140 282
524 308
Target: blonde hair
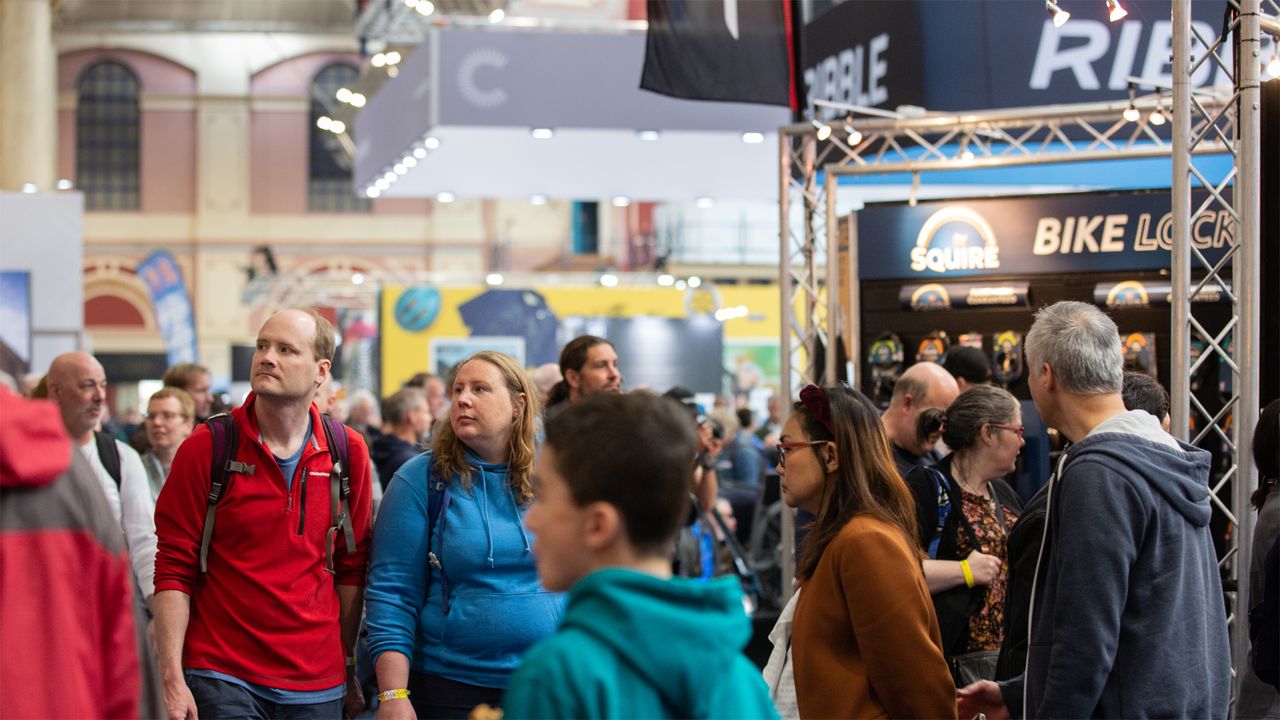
449 453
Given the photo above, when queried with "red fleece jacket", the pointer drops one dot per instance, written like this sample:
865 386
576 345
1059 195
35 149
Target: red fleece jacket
68 647
267 611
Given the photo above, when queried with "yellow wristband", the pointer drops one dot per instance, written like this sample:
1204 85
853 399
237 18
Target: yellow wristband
968 572
393 695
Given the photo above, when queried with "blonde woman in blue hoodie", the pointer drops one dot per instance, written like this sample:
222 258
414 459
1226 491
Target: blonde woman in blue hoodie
453 599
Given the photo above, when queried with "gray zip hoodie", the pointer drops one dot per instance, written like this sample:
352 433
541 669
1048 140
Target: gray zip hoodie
1127 619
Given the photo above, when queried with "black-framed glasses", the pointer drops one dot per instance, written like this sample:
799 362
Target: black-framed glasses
784 447
1011 428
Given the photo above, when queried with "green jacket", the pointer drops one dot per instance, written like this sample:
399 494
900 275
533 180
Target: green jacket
636 646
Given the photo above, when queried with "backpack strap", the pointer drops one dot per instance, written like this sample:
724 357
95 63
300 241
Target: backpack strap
222 465
335 435
944 509
438 498
109 454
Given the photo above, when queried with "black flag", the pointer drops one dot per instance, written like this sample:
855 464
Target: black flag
731 50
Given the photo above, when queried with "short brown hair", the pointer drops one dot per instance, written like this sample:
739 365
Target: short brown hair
177 393
183 375
324 344
634 452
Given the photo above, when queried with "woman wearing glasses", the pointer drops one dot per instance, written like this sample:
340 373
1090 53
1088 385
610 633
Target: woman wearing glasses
964 510
863 641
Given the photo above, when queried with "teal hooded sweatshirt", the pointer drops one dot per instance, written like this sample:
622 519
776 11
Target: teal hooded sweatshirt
635 646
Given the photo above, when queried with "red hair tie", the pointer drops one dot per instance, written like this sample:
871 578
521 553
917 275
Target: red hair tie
815 399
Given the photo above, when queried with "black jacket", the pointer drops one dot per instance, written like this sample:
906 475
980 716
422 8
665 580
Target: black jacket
1021 551
388 453
953 607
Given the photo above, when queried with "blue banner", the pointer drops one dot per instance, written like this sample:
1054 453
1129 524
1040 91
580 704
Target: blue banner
1030 236
172 305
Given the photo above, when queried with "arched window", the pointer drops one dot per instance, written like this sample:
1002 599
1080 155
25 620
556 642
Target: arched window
107 137
329 172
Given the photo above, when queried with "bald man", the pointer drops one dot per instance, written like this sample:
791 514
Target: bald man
924 385
78 384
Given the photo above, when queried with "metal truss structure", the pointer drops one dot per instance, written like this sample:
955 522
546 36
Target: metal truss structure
813 243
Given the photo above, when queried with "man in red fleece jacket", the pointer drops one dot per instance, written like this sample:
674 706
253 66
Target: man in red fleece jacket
265 631
69 636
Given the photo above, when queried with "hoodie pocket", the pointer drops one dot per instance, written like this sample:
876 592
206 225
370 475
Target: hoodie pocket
500 626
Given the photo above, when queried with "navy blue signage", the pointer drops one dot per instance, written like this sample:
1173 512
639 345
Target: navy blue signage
992 53
172 305
1141 294
1030 235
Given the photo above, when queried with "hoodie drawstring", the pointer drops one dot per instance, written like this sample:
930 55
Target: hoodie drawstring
523 533
484 513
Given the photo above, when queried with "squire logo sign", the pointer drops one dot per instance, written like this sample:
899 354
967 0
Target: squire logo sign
1031 235
992 53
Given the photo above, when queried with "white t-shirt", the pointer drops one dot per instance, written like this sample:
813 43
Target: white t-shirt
133 507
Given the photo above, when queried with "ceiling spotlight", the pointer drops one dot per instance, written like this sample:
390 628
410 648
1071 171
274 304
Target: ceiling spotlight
541 133
357 278
824 130
408 161
65 184
1131 114
392 71
752 138
1060 16
358 100
29 188
420 153
537 199
324 122
1156 117
393 58
666 280
372 192
425 7
382 184
621 201
695 281
390 176
493 279
497 16
1273 67
648 135
431 143
400 169
704 203
966 154
681 285
609 280
853 134
411 3
1115 12
378 60
337 127
344 95
445 197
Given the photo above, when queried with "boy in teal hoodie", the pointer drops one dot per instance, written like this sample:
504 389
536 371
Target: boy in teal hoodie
611 492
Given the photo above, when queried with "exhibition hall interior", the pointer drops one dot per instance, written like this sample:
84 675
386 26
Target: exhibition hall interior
735 205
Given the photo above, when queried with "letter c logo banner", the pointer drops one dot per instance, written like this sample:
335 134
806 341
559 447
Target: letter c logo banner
473 93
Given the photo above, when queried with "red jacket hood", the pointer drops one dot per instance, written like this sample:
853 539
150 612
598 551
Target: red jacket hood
34 447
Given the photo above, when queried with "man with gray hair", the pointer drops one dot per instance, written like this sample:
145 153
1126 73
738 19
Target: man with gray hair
407 425
1126 617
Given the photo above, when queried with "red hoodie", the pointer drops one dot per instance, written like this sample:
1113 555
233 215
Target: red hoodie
68 646
267 611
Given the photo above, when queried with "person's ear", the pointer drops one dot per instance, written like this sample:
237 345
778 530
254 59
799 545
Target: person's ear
603 526
1046 372
519 401
831 460
572 378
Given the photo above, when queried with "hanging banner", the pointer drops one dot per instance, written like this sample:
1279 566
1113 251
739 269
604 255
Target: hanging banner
172 305
994 53
1033 235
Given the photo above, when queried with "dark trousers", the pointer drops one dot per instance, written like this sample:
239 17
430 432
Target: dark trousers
221 699
437 698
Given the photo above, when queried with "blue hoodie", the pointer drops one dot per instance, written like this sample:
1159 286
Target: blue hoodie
636 646
496 607
1127 619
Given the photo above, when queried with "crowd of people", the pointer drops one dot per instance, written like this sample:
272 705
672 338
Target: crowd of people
499 539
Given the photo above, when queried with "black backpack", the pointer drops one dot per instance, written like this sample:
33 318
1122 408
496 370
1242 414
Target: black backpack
224 467
109 454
